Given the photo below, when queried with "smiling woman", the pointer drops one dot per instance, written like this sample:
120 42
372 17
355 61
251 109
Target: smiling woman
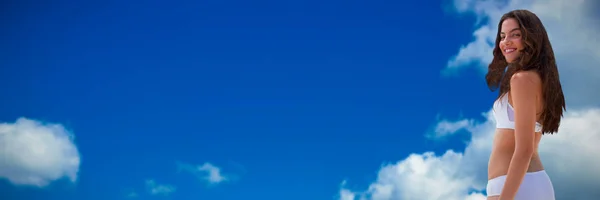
511 43
530 103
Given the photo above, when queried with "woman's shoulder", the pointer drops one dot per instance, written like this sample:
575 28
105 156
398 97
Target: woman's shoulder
526 79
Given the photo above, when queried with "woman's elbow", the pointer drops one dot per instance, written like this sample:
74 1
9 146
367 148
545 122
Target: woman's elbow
524 151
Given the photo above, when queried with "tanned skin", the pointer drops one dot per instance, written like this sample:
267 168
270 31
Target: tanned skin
525 90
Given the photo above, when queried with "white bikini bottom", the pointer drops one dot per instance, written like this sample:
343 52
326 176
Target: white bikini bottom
535 186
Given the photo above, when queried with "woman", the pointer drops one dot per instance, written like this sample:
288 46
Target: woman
530 103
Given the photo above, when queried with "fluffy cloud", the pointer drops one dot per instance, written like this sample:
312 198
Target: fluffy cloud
572 26
36 154
158 189
445 127
213 172
346 194
569 157
207 171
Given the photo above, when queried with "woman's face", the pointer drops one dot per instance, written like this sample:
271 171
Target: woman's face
510 40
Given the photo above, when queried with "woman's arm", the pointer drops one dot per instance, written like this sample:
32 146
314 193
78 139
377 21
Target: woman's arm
524 89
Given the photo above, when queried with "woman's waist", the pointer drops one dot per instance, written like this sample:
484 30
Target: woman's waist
500 162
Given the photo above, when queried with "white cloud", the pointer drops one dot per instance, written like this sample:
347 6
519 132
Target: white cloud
445 127
346 194
572 28
207 171
159 189
214 173
570 158
475 196
36 154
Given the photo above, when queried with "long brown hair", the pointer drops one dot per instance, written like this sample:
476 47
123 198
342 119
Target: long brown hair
538 56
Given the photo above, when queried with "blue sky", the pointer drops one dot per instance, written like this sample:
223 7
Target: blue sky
287 99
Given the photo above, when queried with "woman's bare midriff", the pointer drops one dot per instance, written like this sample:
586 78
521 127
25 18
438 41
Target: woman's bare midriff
502 152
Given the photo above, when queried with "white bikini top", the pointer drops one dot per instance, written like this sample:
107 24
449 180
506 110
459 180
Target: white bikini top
505 114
